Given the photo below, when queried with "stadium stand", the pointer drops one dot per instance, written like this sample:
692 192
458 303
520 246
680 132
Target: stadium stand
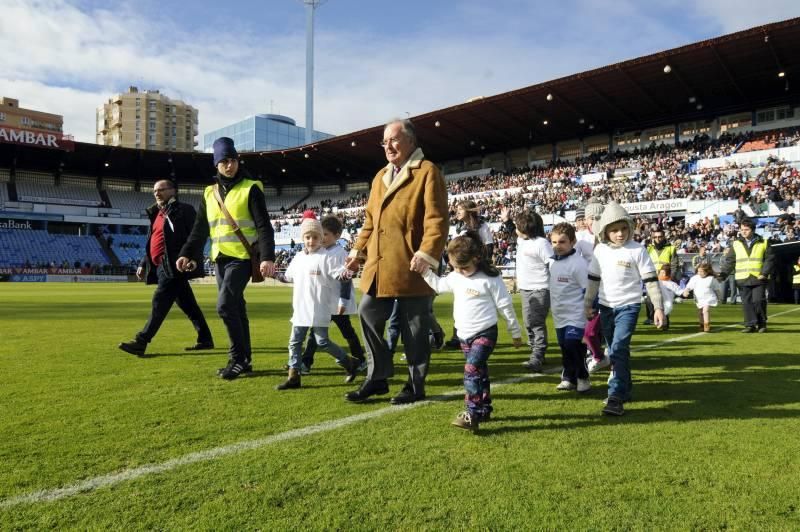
129 249
41 188
40 248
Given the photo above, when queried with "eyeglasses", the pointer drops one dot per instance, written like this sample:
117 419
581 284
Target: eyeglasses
392 141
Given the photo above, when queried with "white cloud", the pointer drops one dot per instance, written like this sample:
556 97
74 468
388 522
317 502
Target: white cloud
73 60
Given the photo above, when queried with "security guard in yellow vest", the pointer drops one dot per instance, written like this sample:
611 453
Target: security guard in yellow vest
796 282
661 253
753 262
244 199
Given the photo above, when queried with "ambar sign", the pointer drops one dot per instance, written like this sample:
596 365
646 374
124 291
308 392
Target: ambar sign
34 138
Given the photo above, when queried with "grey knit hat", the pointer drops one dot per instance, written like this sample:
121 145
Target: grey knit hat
612 213
593 209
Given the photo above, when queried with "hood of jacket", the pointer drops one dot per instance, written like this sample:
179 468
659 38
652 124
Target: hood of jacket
612 213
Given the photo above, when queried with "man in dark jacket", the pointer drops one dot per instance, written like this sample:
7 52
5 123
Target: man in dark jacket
170 224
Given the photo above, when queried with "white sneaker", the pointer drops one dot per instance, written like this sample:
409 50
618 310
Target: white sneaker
595 365
565 386
584 385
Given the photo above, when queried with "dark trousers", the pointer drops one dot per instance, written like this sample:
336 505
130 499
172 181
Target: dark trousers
797 295
572 354
393 328
169 291
232 278
754 304
415 324
348 332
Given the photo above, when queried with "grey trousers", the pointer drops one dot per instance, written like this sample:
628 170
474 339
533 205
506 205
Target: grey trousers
415 324
535 306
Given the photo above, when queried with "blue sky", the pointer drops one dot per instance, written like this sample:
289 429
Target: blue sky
374 59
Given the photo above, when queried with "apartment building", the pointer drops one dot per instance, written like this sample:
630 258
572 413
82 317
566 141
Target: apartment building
147 120
12 115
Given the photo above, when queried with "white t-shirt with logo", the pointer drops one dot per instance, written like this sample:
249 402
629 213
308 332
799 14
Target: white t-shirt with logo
568 280
705 290
476 301
621 270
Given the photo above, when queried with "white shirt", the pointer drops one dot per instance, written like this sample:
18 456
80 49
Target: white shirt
568 280
585 244
705 290
621 270
338 255
476 300
669 289
533 254
316 288
484 231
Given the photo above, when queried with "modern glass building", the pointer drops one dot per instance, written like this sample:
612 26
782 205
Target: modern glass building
262 133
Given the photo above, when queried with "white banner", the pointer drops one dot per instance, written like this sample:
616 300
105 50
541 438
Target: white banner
593 178
670 205
86 278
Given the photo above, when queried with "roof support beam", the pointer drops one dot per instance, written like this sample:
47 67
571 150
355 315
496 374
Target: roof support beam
647 96
607 101
727 71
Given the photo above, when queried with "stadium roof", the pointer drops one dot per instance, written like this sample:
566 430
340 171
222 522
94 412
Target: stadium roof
732 73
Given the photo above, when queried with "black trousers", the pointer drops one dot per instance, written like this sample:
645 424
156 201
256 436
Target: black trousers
348 332
232 278
754 304
169 291
415 324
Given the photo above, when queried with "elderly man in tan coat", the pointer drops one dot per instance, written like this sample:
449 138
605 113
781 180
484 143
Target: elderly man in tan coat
403 235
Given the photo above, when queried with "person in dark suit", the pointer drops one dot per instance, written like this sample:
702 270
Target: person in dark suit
171 223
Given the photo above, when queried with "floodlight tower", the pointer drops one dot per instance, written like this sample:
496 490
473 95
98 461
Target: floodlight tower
311 6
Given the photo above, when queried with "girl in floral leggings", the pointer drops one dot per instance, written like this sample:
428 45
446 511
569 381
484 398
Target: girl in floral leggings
479 293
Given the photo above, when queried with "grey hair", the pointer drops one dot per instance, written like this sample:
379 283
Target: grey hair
407 126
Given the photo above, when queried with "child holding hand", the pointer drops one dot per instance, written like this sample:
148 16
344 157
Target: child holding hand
479 293
706 294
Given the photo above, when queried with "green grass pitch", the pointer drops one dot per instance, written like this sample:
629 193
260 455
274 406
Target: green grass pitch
709 442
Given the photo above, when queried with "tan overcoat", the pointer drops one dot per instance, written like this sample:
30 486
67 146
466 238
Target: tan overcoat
404 217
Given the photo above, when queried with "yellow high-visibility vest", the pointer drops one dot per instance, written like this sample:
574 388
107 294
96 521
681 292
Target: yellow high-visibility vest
796 278
223 238
747 265
662 258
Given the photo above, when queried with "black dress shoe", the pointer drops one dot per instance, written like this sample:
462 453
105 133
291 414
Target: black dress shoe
406 396
368 389
200 346
133 347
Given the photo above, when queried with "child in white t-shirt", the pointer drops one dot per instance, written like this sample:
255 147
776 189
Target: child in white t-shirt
478 294
568 280
669 289
316 276
706 294
533 281
619 267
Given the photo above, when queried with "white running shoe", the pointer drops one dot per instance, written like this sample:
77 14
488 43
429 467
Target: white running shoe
595 365
584 385
565 386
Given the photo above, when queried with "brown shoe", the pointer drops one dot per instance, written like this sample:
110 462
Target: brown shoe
293 381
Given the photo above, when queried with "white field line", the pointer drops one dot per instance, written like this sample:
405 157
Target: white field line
112 479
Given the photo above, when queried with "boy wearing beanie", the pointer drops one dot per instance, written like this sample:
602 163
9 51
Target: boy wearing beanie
618 268
316 276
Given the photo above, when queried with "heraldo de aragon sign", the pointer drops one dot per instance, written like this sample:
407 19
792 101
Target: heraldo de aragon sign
36 139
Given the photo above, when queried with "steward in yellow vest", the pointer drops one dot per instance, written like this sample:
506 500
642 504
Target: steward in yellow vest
796 276
663 253
753 263
244 199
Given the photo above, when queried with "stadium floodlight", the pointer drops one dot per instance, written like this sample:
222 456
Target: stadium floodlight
311 6
353 144
781 74
667 69
306 156
549 97
545 122
437 123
